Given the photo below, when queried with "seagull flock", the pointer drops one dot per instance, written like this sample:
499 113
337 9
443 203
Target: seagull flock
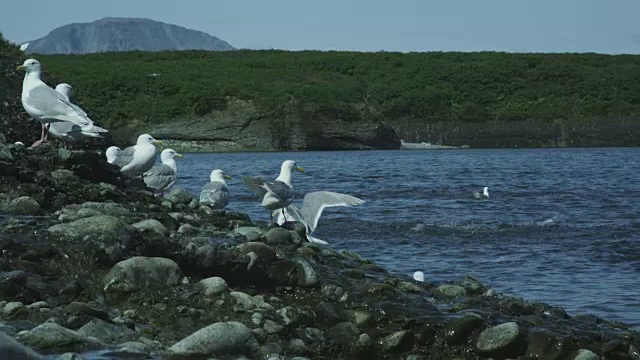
67 122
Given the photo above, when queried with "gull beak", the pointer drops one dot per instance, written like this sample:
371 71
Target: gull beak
227 177
157 142
179 155
21 67
300 169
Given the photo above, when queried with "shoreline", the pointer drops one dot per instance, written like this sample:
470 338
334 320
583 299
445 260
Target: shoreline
94 263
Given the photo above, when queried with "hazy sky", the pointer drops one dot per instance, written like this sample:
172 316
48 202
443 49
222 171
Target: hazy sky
604 26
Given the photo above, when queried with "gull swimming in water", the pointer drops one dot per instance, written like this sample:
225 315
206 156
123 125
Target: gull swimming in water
215 194
47 105
67 131
138 159
312 206
484 195
112 153
161 177
278 193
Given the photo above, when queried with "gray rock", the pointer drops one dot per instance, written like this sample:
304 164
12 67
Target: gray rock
314 335
223 338
5 153
38 305
363 344
11 349
344 333
8 329
152 225
307 276
106 332
452 290
358 317
103 225
278 236
500 340
106 208
70 356
461 328
179 196
243 301
397 342
142 273
297 346
187 229
14 308
272 327
257 318
245 230
51 336
133 349
24 205
472 285
586 354
213 286
265 252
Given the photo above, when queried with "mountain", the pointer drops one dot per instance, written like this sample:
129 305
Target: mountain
123 34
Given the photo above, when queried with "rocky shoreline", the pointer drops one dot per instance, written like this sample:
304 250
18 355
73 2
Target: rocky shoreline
95 265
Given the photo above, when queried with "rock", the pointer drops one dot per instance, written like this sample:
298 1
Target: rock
314 335
543 344
278 236
12 283
38 305
363 345
272 327
360 318
142 273
344 333
152 225
333 292
70 356
103 224
14 308
179 196
246 230
243 301
213 286
5 154
8 329
472 286
223 338
500 341
130 350
307 276
187 229
50 336
326 313
85 311
397 342
461 328
585 354
257 318
265 252
106 332
24 205
297 346
11 349
452 290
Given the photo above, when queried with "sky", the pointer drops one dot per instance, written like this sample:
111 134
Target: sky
602 26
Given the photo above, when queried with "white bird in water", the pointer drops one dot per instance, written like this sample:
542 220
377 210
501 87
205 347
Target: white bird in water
112 153
278 193
312 206
67 131
418 276
138 159
484 195
161 177
215 194
47 105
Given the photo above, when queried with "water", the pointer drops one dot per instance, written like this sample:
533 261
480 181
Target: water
562 225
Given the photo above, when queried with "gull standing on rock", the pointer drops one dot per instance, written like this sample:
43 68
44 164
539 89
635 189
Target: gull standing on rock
138 159
275 194
47 105
67 131
161 177
215 194
312 206
484 195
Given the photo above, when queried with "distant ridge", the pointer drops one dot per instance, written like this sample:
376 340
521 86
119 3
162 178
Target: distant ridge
123 34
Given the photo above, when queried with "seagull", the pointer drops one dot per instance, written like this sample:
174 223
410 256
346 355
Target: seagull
312 206
67 131
138 159
484 195
161 177
47 105
215 194
418 276
278 193
112 153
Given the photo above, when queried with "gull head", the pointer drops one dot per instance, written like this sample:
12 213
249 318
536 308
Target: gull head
219 175
112 153
167 154
290 165
64 89
418 276
485 191
30 65
146 139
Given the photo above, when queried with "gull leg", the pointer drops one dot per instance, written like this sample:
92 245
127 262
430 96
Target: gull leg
39 142
284 215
